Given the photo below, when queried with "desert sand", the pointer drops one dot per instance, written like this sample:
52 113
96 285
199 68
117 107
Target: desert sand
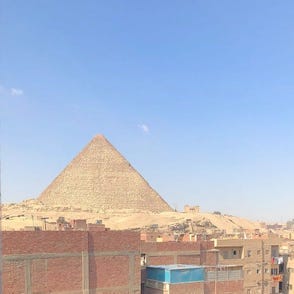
32 212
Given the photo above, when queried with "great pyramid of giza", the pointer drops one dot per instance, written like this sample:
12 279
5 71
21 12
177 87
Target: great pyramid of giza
99 177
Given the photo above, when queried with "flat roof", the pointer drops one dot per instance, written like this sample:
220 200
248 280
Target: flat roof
191 266
175 266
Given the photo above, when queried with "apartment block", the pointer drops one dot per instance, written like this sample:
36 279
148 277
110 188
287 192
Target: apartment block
262 265
289 272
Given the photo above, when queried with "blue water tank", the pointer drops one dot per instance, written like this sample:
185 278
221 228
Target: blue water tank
175 273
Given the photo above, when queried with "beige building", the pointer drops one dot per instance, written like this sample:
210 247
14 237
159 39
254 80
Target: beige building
191 209
261 262
289 273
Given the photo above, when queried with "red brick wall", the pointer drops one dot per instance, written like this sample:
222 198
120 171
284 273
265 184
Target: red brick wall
39 276
187 288
182 288
13 277
26 242
160 260
209 257
235 287
189 259
169 246
197 253
114 241
61 274
56 261
109 271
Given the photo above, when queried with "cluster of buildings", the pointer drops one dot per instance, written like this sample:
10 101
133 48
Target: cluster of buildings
85 259
79 258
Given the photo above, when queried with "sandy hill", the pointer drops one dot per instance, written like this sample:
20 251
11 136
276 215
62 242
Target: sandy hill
30 213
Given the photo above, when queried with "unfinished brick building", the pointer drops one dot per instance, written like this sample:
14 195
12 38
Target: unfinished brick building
71 262
217 279
197 253
106 262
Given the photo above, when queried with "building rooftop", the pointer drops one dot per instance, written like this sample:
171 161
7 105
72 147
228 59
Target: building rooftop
175 266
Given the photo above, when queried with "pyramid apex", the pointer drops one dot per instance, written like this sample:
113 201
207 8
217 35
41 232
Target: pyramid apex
99 136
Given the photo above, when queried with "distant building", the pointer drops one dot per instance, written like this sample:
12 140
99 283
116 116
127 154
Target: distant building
191 209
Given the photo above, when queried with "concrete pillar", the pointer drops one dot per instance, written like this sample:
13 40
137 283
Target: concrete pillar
28 281
85 272
131 272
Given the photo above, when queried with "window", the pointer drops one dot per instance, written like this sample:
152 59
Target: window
248 253
234 252
258 271
274 252
274 271
143 259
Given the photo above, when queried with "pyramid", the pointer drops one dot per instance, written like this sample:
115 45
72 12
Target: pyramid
100 178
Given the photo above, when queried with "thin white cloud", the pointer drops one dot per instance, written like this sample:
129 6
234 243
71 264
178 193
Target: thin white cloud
144 128
4 91
16 92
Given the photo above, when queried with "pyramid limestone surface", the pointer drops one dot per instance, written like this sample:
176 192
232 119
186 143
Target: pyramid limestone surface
100 178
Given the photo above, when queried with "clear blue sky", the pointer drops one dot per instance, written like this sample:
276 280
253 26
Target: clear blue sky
197 95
